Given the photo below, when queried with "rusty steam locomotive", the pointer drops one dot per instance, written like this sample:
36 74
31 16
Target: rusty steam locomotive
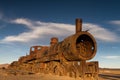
68 57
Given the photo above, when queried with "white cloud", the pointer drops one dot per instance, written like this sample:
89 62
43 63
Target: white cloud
101 33
117 22
111 57
39 30
23 21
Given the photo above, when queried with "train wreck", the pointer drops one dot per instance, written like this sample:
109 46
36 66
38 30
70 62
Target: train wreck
69 57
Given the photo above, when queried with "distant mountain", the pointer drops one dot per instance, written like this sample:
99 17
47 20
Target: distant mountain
4 65
109 71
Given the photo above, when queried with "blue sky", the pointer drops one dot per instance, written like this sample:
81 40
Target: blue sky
24 23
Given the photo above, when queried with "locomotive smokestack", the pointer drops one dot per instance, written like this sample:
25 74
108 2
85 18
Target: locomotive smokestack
78 25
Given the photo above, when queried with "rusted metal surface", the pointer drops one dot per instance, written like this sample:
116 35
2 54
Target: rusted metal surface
67 57
78 25
80 46
54 40
34 49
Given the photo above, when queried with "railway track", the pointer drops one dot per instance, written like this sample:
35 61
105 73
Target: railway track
110 76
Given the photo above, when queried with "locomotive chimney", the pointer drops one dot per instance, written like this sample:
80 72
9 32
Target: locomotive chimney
78 25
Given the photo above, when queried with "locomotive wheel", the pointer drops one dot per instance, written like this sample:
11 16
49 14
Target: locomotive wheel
73 72
59 70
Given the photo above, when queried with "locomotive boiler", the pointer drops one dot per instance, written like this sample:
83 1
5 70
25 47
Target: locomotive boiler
66 58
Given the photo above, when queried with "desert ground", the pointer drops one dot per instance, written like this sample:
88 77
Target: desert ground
5 74
109 74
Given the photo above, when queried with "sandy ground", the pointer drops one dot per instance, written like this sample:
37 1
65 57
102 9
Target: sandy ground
109 74
34 77
6 76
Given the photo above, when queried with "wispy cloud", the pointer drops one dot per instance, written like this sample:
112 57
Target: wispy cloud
23 21
39 30
101 33
111 57
117 22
